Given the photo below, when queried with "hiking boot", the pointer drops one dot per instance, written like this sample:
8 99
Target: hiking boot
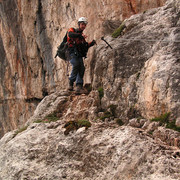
70 88
78 89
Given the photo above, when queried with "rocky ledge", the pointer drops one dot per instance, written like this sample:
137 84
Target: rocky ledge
103 150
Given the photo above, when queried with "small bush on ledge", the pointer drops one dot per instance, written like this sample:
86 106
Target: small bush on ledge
74 125
49 118
101 92
119 30
164 120
119 122
19 131
83 123
107 114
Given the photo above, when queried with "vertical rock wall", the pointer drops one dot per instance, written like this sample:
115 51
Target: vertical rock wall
140 75
30 32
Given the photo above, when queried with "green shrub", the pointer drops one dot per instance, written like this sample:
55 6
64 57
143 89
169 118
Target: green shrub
164 120
83 123
39 121
138 75
119 30
101 92
113 109
107 114
70 126
49 118
150 132
20 131
74 125
172 125
119 122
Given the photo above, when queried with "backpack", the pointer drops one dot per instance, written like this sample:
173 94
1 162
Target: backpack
62 49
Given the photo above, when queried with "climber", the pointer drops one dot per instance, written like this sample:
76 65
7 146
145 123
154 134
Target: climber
77 48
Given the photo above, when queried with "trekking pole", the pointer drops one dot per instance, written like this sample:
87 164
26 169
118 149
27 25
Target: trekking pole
56 55
102 38
67 69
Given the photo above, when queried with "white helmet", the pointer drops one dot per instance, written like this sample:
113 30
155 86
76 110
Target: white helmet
82 19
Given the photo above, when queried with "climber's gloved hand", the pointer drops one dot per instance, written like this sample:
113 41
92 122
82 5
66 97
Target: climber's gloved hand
93 43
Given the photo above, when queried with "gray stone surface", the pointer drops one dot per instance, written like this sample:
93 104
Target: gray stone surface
141 73
101 152
29 35
140 78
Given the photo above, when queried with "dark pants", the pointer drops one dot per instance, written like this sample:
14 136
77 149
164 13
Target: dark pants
78 69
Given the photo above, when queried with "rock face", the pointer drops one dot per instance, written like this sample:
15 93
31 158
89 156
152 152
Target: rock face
29 34
43 150
104 151
133 82
141 74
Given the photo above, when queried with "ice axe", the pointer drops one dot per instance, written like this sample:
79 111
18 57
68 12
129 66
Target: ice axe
102 38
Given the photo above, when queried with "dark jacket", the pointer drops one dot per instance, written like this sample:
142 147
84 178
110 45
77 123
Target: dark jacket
77 43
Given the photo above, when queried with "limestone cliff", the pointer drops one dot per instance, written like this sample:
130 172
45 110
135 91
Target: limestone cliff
107 133
141 74
57 144
29 35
